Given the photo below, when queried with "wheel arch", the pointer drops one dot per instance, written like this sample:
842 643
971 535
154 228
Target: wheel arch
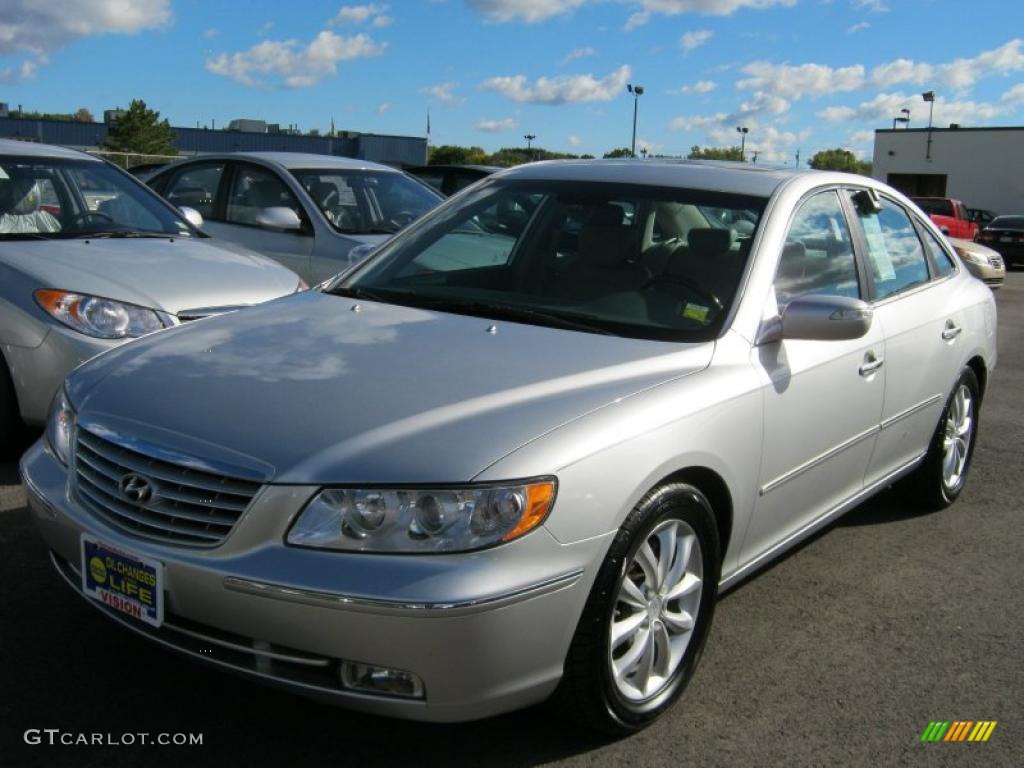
714 487
977 364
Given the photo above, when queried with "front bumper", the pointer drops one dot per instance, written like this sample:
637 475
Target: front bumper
487 632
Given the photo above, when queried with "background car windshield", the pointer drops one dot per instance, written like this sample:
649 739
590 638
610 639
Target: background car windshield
630 260
1007 222
934 206
54 198
367 202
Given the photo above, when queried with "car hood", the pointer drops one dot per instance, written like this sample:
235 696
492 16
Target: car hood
173 274
309 390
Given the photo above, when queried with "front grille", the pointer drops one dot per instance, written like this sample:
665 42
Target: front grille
996 261
186 506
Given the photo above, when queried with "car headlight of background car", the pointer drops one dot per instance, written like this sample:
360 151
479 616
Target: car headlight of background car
422 520
98 317
60 425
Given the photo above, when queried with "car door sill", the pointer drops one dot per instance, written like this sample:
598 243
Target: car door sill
815 525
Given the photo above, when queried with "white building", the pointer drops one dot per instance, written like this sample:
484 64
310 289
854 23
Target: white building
983 167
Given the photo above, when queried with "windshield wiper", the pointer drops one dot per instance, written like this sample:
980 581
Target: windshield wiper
363 293
129 233
495 311
369 231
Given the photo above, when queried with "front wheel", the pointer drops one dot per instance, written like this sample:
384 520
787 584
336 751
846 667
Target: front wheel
940 478
648 614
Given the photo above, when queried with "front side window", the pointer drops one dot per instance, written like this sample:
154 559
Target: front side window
818 256
195 186
366 202
67 198
894 252
255 189
579 255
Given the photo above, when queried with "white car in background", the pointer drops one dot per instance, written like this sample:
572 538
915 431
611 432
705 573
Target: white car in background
306 211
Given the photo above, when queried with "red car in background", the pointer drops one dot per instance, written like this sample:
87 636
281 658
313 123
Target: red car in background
949 215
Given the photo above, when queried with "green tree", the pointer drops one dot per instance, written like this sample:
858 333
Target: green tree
139 129
620 152
83 115
452 154
839 160
715 153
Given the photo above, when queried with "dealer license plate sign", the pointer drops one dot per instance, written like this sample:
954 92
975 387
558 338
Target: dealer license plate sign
126 582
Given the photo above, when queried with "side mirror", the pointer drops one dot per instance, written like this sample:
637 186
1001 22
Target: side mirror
820 318
192 216
279 217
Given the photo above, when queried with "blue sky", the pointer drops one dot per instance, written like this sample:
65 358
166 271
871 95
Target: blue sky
800 74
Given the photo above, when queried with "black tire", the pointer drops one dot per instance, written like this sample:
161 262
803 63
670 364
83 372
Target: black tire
12 431
588 692
926 486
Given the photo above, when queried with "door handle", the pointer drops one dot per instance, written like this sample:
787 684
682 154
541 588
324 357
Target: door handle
951 331
870 364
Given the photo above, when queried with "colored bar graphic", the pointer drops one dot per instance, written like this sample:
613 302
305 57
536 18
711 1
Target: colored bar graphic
958 730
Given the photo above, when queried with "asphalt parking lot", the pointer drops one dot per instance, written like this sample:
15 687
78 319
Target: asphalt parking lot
840 654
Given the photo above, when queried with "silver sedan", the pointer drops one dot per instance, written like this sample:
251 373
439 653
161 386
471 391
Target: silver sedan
91 258
520 451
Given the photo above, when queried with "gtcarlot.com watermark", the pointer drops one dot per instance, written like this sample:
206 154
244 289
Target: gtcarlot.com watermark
57 737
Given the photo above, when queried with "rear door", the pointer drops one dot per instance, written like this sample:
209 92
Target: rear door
915 304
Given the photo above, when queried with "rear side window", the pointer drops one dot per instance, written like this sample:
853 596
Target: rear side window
940 256
254 189
895 255
818 255
195 187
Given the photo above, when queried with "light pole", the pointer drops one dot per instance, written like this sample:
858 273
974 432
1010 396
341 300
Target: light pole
899 120
929 96
754 159
743 131
906 117
529 143
637 91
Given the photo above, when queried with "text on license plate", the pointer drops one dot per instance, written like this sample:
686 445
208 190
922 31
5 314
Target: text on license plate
126 582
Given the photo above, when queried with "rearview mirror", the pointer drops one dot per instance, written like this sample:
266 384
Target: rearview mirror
821 318
192 216
279 217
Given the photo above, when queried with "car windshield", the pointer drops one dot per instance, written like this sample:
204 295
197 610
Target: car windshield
935 206
49 198
628 260
367 202
1007 222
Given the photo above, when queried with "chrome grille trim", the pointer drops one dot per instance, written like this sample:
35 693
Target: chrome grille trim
188 506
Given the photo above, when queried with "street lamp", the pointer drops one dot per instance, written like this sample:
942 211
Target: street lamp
743 131
637 91
529 143
929 96
899 120
906 117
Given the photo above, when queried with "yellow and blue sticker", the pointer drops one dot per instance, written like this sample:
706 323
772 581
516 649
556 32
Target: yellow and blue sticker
128 583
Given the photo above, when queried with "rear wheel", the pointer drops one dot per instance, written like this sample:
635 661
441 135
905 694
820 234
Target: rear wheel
940 478
648 614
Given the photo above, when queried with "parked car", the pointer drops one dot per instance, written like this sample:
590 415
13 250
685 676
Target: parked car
981 261
145 171
1005 234
980 216
441 490
90 258
306 211
449 179
949 215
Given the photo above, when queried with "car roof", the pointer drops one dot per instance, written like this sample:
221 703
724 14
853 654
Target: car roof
297 160
487 169
721 176
35 149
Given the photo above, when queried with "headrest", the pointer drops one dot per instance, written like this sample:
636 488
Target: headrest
708 241
604 241
265 193
321 190
791 263
19 196
606 215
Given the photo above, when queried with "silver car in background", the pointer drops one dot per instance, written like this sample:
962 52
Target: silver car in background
306 211
518 452
90 258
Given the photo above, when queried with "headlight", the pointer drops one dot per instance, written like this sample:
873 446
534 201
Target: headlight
98 317
59 426
422 520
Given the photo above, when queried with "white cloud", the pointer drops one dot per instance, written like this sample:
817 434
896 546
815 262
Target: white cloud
383 107
691 122
211 32
875 6
651 147
383 21
860 138
264 29
443 93
578 53
860 26
794 82
1015 95
693 40
560 90
289 63
884 106
37 29
529 11
764 102
496 126
701 86
574 141
357 14
637 19
705 7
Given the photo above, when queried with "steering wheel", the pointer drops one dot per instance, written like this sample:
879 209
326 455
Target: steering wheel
84 217
686 282
402 219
